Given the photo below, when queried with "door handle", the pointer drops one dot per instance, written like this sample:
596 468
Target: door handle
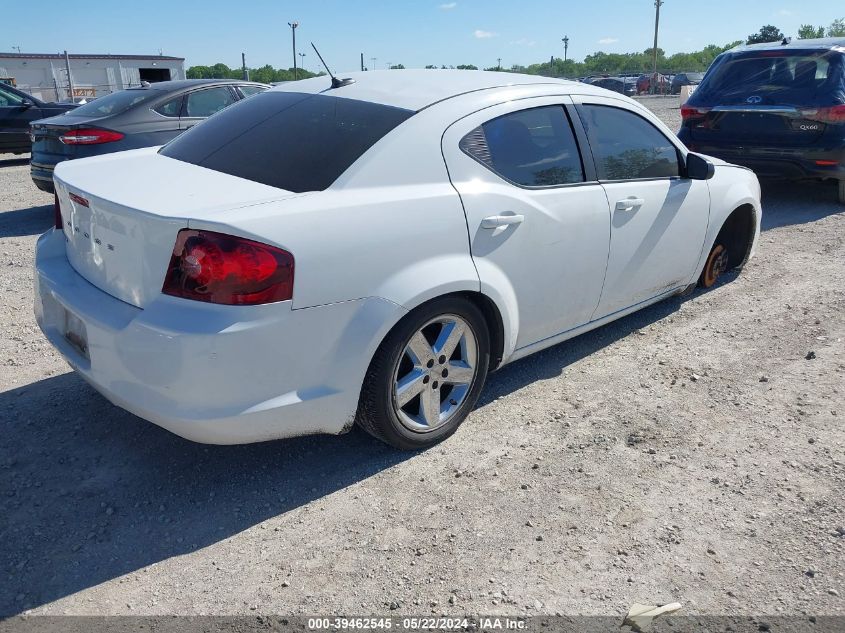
629 204
497 221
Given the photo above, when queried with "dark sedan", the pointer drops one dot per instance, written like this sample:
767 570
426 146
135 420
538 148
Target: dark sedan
146 116
622 85
685 79
17 110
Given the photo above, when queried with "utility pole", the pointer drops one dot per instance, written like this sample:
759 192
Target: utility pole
17 48
499 64
243 66
69 77
373 59
653 82
293 26
552 66
565 41
302 62
362 62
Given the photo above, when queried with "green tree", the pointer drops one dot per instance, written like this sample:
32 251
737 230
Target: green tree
397 67
466 67
836 28
198 72
767 33
808 32
431 67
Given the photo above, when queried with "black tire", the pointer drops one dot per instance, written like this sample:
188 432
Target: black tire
376 411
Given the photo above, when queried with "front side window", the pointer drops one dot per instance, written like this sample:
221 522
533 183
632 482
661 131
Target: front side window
626 146
532 148
9 98
204 103
293 141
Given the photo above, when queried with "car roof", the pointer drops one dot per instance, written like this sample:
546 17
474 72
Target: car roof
418 89
180 84
820 43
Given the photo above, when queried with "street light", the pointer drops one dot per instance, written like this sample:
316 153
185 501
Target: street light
293 26
565 41
302 61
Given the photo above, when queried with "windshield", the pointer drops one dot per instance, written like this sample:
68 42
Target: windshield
115 103
776 77
290 140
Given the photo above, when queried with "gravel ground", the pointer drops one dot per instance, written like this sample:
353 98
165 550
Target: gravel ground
692 452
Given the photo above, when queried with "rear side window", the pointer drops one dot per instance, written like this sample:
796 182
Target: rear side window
293 141
248 91
532 148
170 108
626 146
204 103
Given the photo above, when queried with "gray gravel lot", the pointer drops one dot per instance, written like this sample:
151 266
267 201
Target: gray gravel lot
691 452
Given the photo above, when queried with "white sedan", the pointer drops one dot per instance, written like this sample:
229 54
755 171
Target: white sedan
315 257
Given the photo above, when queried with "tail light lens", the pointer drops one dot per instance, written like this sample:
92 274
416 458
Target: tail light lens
832 114
219 268
691 113
89 136
57 213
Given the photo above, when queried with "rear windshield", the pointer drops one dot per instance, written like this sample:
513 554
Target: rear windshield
290 140
777 77
115 103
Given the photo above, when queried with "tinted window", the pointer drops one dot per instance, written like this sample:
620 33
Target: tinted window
791 76
248 91
204 103
534 148
294 141
626 146
115 103
170 108
9 98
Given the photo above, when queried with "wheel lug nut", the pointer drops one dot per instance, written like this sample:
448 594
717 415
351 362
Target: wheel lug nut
430 364
442 359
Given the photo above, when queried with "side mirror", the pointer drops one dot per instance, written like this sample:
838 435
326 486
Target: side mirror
699 168
27 103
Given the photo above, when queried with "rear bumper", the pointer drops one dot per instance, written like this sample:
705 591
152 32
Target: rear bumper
214 374
776 162
42 176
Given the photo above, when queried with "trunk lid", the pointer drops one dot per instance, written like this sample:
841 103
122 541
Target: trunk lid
766 126
122 212
46 146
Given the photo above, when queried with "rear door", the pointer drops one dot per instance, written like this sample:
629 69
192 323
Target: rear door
201 104
659 218
539 223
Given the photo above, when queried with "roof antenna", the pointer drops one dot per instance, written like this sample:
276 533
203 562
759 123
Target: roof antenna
336 83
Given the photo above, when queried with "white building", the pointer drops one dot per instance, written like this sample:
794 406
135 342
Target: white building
45 76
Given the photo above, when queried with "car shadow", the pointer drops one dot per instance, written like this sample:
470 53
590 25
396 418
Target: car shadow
14 161
91 492
787 203
30 221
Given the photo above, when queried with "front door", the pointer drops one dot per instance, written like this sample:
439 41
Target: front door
539 224
659 217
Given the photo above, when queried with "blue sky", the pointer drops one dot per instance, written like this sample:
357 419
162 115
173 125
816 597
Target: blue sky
414 33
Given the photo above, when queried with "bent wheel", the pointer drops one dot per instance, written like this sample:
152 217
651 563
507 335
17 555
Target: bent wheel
427 375
717 263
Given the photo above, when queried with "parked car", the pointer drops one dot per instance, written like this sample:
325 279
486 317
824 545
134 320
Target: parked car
318 255
644 83
685 79
148 115
623 85
17 110
778 109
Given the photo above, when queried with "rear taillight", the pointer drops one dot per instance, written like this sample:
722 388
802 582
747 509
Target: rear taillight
832 114
57 213
89 136
219 268
691 113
